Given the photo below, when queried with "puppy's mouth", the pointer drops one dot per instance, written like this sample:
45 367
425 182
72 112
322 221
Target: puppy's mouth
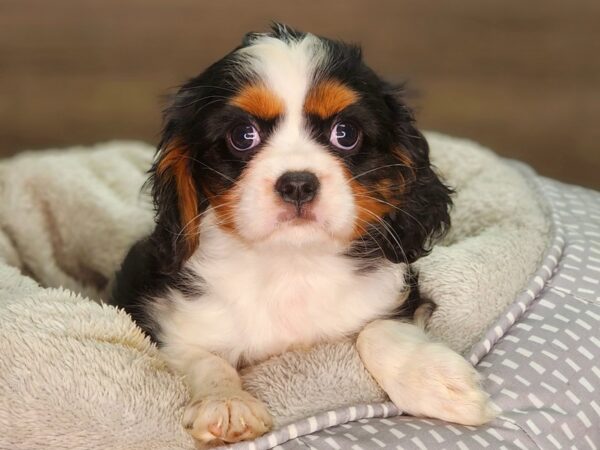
296 215
299 226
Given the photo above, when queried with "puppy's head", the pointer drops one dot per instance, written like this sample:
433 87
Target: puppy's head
292 140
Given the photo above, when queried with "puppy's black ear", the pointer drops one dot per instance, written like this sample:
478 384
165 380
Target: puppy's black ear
423 213
178 201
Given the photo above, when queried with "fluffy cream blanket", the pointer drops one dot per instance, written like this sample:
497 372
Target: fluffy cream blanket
76 373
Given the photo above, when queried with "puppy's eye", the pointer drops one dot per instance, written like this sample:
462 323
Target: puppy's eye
344 135
244 137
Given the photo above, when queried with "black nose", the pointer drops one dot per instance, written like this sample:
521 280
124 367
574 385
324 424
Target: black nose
297 187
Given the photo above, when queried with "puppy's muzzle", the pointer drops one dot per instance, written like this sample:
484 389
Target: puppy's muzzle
297 188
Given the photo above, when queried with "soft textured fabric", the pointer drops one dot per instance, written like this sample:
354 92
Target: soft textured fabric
75 374
67 219
500 228
539 361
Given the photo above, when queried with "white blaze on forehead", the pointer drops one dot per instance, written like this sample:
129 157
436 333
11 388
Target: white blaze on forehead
286 67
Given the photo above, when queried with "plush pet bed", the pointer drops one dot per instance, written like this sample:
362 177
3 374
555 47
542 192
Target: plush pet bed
79 374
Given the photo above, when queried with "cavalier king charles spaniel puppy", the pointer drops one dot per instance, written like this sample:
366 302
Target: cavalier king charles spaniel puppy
292 192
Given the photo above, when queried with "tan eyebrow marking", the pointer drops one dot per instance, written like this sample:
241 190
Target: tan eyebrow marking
259 101
329 98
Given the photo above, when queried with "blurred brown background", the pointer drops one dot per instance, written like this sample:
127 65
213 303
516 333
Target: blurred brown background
520 77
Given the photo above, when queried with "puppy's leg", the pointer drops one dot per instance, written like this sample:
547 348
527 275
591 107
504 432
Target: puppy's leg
219 410
421 377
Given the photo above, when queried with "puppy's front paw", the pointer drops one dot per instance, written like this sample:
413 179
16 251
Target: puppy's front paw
441 384
226 417
421 377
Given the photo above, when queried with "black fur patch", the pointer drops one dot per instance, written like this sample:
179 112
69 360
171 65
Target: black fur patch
139 278
414 300
189 284
142 277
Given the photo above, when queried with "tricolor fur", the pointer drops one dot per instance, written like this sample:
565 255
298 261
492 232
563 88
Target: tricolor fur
292 192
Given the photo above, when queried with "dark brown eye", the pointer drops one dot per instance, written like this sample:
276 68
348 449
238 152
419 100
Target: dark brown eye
244 137
344 135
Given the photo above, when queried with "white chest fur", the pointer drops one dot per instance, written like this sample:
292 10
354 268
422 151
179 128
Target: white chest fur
260 302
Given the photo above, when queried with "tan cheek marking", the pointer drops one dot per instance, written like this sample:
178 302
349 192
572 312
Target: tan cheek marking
259 101
224 205
175 164
328 98
368 209
386 188
375 201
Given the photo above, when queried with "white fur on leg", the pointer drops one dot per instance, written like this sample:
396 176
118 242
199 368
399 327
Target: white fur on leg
220 411
421 377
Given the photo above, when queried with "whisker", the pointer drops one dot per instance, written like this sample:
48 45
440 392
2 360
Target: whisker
210 168
206 105
389 229
396 186
396 207
370 225
376 168
207 86
182 232
198 100
370 235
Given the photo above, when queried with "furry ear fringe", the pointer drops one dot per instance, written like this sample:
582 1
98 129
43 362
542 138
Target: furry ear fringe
173 184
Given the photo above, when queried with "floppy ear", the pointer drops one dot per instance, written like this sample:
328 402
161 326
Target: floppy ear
423 213
178 202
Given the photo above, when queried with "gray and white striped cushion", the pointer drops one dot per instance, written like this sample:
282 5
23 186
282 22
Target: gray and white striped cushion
539 361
